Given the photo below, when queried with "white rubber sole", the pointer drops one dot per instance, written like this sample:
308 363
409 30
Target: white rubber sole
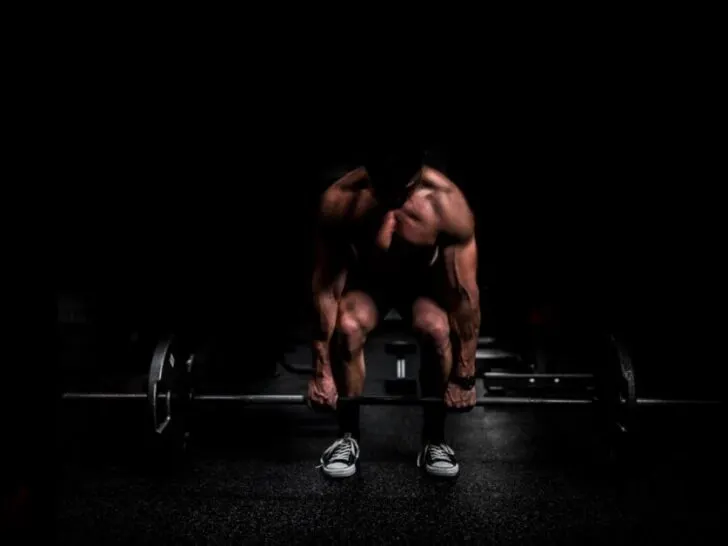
339 472
443 472
438 471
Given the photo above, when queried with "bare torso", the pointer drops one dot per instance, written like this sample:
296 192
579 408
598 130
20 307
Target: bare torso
371 254
399 238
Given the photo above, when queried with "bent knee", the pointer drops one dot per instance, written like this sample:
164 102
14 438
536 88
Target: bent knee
354 325
348 325
434 328
356 314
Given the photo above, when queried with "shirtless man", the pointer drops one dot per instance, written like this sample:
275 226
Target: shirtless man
395 233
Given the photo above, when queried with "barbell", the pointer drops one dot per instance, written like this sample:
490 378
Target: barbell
300 399
171 394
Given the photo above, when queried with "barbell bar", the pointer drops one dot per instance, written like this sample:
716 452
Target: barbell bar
489 375
299 399
506 375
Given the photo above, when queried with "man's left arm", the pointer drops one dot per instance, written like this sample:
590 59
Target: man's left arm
461 262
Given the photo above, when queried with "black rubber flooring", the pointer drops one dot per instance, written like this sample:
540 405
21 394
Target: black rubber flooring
529 476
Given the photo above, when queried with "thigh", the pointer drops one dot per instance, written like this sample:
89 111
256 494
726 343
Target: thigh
431 325
434 287
366 296
429 318
357 316
428 295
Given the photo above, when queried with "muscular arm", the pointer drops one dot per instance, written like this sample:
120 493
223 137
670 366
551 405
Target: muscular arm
464 309
327 284
461 262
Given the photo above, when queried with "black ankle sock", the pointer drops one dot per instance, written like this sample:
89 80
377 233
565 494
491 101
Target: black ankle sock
348 416
434 424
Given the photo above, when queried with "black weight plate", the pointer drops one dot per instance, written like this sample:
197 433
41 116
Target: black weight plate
169 392
616 392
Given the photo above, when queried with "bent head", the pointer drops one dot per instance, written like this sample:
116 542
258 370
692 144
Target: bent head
391 170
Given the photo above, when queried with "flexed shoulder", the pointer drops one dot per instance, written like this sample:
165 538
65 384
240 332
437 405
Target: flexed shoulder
346 199
455 217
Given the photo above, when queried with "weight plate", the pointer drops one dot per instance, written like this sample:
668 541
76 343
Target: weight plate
169 392
616 393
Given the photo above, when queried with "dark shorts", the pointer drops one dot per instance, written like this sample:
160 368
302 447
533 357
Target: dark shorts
398 289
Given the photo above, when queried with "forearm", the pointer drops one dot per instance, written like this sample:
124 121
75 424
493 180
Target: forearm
464 305
464 329
325 309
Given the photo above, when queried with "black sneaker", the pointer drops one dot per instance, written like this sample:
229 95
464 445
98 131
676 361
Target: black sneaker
339 459
438 460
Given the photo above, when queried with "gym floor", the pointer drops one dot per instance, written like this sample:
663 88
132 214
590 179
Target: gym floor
528 476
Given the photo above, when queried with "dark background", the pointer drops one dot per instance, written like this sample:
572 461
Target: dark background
605 212
168 219
177 187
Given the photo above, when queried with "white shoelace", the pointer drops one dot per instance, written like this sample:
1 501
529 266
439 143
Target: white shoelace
341 450
440 453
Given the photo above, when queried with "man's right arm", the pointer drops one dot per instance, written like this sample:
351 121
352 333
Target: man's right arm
329 276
